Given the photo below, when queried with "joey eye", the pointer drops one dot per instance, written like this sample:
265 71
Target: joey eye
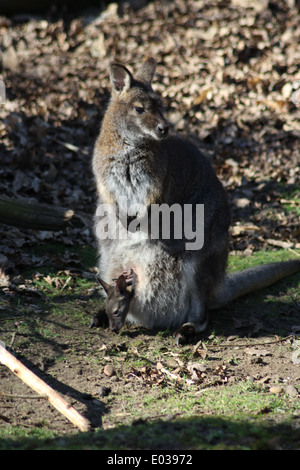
139 109
116 312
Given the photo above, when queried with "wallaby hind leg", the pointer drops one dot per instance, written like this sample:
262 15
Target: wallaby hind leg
187 331
197 320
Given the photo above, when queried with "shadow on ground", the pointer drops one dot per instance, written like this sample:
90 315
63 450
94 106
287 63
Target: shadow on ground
197 433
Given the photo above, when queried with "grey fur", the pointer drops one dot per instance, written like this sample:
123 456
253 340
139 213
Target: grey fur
136 156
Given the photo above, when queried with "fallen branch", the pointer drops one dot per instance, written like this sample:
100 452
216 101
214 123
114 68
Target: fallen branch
27 214
245 345
43 389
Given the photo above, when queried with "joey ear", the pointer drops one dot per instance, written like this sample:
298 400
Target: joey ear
120 77
104 284
121 284
146 71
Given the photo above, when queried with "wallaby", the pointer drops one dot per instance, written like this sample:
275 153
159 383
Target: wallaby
119 295
138 157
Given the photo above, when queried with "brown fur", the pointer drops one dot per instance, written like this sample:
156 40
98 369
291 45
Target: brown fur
137 156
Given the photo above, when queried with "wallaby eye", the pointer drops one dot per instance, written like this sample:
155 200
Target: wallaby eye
116 312
139 109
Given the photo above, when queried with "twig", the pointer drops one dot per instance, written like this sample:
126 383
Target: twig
293 251
16 317
24 397
66 283
43 389
244 345
287 201
13 339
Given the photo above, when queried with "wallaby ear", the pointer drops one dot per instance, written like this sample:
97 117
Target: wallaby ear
104 284
120 77
146 71
121 284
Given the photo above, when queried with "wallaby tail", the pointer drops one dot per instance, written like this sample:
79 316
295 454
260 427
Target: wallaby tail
249 280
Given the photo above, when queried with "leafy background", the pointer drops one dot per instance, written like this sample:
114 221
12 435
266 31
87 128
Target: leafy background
229 75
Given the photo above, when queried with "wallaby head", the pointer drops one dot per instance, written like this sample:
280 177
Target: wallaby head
136 108
117 302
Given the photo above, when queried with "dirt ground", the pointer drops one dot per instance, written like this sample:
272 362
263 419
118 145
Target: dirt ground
104 375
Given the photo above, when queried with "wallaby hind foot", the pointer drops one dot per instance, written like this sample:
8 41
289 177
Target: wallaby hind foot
187 332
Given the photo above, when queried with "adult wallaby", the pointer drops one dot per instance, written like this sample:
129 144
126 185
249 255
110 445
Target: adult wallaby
138 159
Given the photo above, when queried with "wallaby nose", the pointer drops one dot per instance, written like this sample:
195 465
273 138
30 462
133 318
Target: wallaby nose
114 328
162 129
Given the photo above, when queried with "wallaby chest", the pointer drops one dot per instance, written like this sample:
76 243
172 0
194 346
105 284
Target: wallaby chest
127 177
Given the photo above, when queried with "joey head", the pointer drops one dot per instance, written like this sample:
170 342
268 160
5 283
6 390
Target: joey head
119 295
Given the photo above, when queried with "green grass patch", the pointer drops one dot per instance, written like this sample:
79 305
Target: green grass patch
291 201
237 263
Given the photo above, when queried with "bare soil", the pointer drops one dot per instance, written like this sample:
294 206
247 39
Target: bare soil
109 378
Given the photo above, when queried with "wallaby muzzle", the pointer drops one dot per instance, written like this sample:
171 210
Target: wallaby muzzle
115 326
162 130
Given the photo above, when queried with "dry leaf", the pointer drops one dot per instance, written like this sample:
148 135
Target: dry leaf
4 279
205 94
274 105
109 370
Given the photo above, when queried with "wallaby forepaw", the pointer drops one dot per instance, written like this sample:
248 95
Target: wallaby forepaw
185 333
100 320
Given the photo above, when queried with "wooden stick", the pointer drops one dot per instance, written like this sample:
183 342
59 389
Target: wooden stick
37 384
32 215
